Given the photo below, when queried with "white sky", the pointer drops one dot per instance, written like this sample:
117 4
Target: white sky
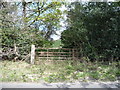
56 37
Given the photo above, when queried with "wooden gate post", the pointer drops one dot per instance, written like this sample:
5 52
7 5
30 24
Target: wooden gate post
32 60
73 54
47 54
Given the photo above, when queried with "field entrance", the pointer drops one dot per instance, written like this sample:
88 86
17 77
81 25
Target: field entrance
56 54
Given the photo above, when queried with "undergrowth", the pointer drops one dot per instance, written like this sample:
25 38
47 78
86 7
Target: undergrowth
59 71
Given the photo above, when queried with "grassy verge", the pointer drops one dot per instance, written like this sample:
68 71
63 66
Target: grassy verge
58 71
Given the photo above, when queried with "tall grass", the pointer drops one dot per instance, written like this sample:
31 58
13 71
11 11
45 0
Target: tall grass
59 71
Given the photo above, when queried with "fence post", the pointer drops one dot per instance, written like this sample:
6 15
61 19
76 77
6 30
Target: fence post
32 60
15 49
47 54
73 54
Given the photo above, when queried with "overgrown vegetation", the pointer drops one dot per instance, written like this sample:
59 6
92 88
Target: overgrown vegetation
26 23
59 71
94 28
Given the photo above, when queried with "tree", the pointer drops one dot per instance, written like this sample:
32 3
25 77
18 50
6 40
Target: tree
94 28
34 23
46 15
7 23
102 24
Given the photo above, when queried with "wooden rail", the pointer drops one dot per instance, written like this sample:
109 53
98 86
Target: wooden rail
55 48
56 53
53 54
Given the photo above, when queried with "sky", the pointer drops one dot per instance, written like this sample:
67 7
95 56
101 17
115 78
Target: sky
56 37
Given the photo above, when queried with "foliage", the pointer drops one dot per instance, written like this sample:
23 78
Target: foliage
26 23
45 15
59 71
20 72
55 78
94 29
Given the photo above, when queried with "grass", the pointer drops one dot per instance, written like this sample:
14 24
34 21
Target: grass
20 71
56 43
58 71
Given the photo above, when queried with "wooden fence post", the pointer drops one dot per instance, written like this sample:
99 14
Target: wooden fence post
15 49
47 54
73 54
32 60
